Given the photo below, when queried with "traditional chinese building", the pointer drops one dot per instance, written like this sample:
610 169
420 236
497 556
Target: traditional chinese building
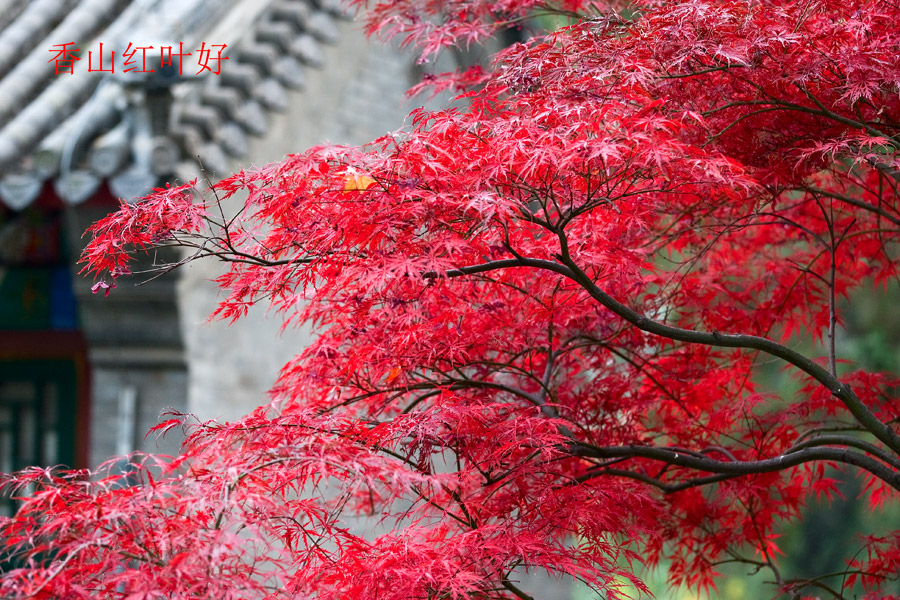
175 82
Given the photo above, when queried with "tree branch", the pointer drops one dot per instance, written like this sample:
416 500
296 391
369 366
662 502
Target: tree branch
727 340
670 456
568 268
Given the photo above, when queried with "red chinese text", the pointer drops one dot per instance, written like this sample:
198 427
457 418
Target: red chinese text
65 57
141 59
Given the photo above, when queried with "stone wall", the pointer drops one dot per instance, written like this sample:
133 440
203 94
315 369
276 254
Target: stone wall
357 96
135 354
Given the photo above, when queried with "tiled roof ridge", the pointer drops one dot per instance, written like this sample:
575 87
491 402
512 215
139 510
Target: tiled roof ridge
35 20
79 131
26 80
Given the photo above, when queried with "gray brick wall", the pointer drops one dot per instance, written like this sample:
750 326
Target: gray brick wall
356 97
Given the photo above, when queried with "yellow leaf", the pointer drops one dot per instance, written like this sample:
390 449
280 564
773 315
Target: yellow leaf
360 183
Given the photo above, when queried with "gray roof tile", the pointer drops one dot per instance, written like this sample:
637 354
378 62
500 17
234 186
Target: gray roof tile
80 129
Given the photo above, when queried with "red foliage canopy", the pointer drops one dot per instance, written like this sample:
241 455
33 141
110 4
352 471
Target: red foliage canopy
540 316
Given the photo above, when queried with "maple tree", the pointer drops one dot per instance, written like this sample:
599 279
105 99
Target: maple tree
542 313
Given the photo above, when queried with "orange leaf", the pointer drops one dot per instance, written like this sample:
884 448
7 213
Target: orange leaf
359 183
